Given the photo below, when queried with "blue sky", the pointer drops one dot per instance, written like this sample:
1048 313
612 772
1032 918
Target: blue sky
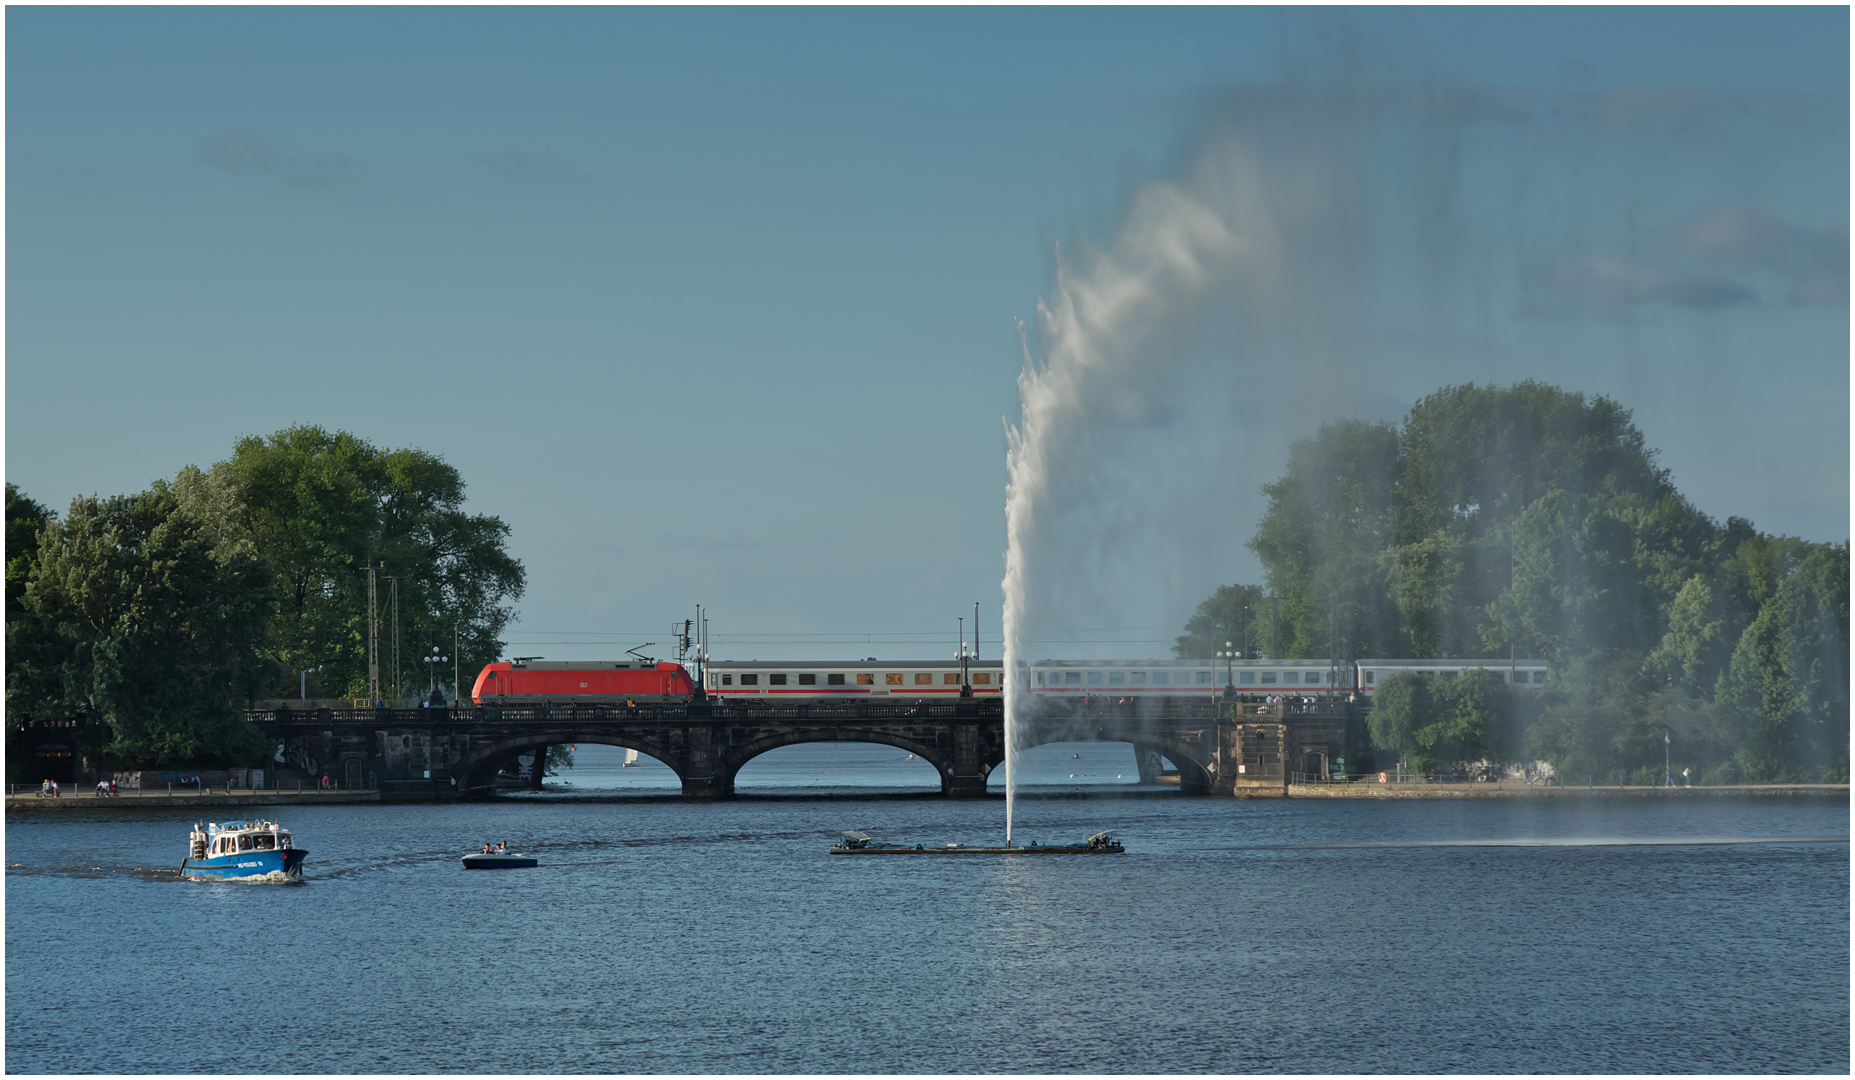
719 305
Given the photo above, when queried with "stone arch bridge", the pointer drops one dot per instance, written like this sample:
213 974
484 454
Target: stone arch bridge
442 754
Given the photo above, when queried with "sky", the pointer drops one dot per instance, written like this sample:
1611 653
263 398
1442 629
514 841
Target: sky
729 306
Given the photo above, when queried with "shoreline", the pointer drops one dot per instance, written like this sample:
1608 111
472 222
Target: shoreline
1358 790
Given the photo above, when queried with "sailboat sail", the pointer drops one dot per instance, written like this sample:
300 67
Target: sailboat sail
631 759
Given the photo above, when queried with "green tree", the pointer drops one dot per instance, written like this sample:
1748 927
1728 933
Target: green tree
1433 719
133 618
25 522
1329 518
321 508
1695 649
1235 613
1789 676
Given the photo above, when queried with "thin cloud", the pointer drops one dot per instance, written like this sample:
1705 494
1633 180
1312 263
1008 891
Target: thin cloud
1611 280
529 170
1812 264
242 152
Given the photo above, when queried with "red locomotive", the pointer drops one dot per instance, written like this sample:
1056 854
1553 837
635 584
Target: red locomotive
596 682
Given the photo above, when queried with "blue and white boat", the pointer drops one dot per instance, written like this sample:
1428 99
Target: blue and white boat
242 851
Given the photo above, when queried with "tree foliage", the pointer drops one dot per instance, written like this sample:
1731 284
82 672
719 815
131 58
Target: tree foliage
1237 614
128 615
1529 520
1431 719
163 612
322 508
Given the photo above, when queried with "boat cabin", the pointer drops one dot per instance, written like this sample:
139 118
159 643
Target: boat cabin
245 836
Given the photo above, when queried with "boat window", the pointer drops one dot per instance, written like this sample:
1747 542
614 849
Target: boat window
864 678
984 678
951 678
776 680
750 680
265 843
834 680
893 678
922 678
806 679
244 843
283 839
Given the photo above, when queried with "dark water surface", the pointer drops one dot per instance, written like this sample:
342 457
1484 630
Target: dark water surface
663 937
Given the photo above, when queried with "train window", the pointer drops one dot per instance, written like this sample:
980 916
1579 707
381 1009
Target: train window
1312 678
1371 677
727 680
893 678
1071 678
776 680
951 678
1204 678
1138 678
1268 677
1116 678
1539 678
1247 678
984 678
1449 674
834 680
750 680
864 678
1094 678
922 678
1159 678
808 680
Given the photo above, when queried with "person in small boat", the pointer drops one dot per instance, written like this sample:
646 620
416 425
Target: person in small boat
486 849
502 845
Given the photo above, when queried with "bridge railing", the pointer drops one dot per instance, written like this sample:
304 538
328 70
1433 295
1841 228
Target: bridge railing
620 714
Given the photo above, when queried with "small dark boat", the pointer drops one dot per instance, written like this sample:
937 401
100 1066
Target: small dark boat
499 860
858 843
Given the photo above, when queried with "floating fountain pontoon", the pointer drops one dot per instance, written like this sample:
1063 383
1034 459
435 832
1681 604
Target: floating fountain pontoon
858 843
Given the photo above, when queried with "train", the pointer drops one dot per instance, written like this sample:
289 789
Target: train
587 682
536 681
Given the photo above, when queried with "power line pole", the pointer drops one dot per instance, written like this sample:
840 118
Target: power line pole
373 639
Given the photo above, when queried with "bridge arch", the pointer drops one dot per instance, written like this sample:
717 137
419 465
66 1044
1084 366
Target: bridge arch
1196 762
736 757
476 770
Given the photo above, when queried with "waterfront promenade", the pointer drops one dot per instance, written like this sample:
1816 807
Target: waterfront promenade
27 799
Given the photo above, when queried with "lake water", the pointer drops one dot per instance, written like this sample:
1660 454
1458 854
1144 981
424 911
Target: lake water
1575 935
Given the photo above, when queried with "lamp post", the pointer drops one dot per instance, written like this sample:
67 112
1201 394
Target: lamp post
432 660
966 656
1229 656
